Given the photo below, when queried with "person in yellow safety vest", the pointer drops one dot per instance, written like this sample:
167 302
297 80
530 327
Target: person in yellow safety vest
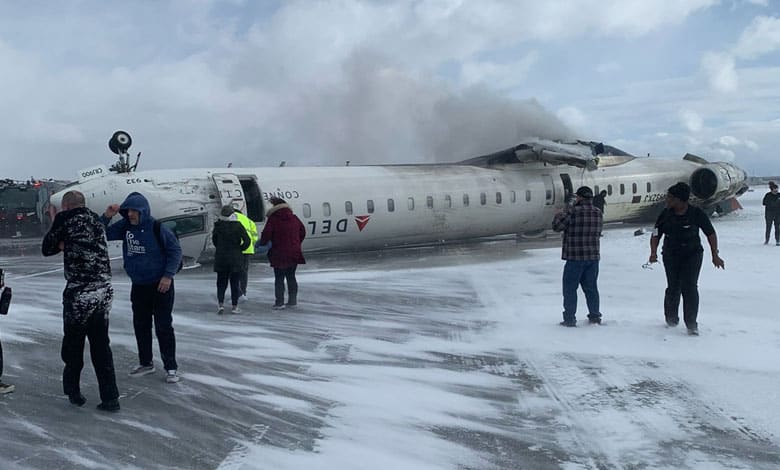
251 230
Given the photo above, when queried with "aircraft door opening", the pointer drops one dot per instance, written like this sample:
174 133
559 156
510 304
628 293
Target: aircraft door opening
549 190
230 190
568 190
253 198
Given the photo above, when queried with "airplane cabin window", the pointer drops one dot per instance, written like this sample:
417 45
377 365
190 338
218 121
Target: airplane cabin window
609 189
649 188
512 196
306 210
633 188
370 206
465 200
429 202
390 205
498 198
410 203
527 195
482 198
183 226
448 200
348 207
622 188
326 209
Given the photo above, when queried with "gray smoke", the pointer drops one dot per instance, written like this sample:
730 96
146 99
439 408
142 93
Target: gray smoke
380 113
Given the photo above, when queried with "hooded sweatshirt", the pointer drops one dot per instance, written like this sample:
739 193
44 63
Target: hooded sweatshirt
145 261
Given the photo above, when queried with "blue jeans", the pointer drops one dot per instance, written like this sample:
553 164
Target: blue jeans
585 274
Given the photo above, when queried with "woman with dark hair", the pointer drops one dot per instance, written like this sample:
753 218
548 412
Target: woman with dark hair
772 213
230 240
286 232
682 254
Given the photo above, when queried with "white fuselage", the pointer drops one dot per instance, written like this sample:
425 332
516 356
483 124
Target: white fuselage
370 207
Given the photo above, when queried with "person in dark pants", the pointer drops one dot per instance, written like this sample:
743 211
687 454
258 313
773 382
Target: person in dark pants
151 261
230 239
682 254
286 232
600 200
4 387
772 213
86 300
581 224
249 252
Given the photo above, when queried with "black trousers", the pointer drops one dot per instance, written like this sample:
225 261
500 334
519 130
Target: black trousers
682 278
1 359
153 307
235 288
772 218
288 274
72 353
245 274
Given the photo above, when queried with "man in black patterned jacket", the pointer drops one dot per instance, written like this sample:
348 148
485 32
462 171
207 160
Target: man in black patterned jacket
581 225
86 300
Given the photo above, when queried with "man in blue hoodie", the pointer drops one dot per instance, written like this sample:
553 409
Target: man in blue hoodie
150 260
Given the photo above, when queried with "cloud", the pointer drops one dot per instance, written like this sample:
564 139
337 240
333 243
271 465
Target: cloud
691 120
761 37
720 71
573 117
729 141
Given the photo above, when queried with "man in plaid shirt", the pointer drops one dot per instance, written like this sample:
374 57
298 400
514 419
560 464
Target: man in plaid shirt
581 225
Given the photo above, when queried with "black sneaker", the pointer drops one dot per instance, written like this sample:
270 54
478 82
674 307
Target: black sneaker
568 324
77 399
594 320
693 331
110 405
672 323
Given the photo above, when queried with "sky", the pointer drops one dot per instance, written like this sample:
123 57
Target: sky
253 83
421 359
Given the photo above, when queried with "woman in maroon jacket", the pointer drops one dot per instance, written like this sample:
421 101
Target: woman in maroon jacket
285 231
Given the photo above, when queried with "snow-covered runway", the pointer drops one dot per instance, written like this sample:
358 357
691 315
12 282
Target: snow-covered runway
419 359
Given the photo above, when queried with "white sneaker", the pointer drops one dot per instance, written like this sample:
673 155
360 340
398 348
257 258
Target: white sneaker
235 309
139 371
6 388
220 310
243 298
172 377
278 307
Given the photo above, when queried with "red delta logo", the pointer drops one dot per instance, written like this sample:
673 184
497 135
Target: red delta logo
361 221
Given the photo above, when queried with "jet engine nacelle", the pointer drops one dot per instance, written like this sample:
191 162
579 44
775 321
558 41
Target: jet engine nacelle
717 181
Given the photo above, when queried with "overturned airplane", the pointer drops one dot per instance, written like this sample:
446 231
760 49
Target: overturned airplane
513 191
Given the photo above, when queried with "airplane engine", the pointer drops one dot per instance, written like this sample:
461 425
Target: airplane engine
717 181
